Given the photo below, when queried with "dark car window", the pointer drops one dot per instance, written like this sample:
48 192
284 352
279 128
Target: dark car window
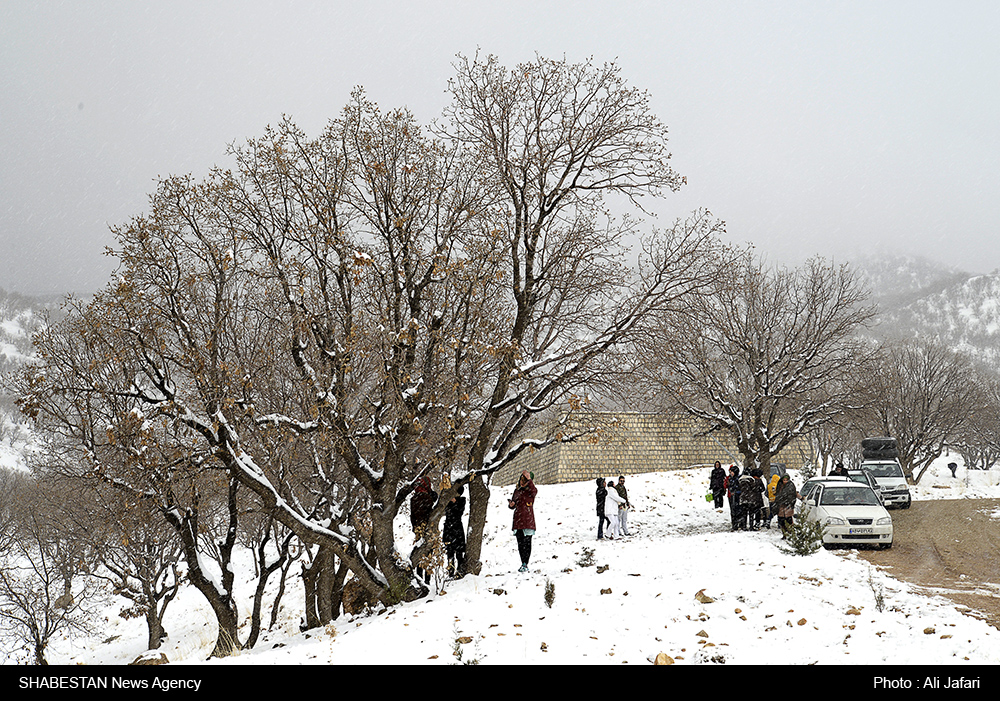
884 469
849 496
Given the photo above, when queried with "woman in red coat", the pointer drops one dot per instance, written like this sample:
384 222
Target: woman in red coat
523 503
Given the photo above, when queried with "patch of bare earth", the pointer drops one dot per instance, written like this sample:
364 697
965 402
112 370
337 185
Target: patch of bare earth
952 548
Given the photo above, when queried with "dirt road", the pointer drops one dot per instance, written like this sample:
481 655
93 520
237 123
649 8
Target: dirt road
951 544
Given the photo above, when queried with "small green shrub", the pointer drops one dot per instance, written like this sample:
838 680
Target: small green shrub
803 537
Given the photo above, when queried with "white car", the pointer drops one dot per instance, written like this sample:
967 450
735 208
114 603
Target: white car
891 481
851 511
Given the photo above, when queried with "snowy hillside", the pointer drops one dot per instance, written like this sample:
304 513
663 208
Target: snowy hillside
921 299
964 316
636 598
896 281
19 318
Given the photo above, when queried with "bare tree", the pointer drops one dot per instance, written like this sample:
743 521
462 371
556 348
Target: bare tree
555 139
978 441
924 396
39 594
767 357
338 317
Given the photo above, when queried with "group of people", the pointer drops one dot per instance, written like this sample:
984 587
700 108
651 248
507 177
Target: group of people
746 494
453 534
612 509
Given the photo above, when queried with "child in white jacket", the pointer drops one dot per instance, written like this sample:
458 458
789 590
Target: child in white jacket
611 504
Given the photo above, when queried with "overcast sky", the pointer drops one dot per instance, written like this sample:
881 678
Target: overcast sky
810 127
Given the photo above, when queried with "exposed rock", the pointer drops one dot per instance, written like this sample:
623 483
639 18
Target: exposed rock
150 658
703 597
663 659
929 631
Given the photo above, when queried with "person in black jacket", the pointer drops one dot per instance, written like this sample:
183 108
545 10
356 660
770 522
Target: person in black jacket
733 491
421 504
717 484
785 497
602 493
454 533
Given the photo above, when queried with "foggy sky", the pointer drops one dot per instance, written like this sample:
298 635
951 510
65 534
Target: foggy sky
812 128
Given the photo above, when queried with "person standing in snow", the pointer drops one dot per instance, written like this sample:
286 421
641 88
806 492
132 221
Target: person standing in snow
454 533
733 491
717 483
624 508
747 500
421 504
611 504
757 510
784 499
523 504
771 488
602 493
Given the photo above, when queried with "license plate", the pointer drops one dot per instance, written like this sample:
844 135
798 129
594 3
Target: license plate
858 531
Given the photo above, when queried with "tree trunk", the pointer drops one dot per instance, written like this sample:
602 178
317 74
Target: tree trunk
479 499
221 602
155 628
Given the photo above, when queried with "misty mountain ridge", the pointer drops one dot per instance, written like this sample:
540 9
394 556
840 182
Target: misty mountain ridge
918 298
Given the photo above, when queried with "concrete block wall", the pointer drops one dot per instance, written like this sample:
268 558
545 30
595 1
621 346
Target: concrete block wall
634 443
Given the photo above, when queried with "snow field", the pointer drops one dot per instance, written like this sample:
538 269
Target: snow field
769 607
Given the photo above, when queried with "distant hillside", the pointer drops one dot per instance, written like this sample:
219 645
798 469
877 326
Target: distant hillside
918 298
20 317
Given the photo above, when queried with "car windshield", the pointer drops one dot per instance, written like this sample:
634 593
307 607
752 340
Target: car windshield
884 469
848 496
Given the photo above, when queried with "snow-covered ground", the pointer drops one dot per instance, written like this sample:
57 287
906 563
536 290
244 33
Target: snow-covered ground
637 599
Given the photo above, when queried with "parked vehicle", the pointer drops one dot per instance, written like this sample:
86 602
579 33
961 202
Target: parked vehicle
776 468
851 512
880 457
864 476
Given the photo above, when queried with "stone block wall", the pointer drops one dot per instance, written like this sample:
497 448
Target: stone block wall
634 443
